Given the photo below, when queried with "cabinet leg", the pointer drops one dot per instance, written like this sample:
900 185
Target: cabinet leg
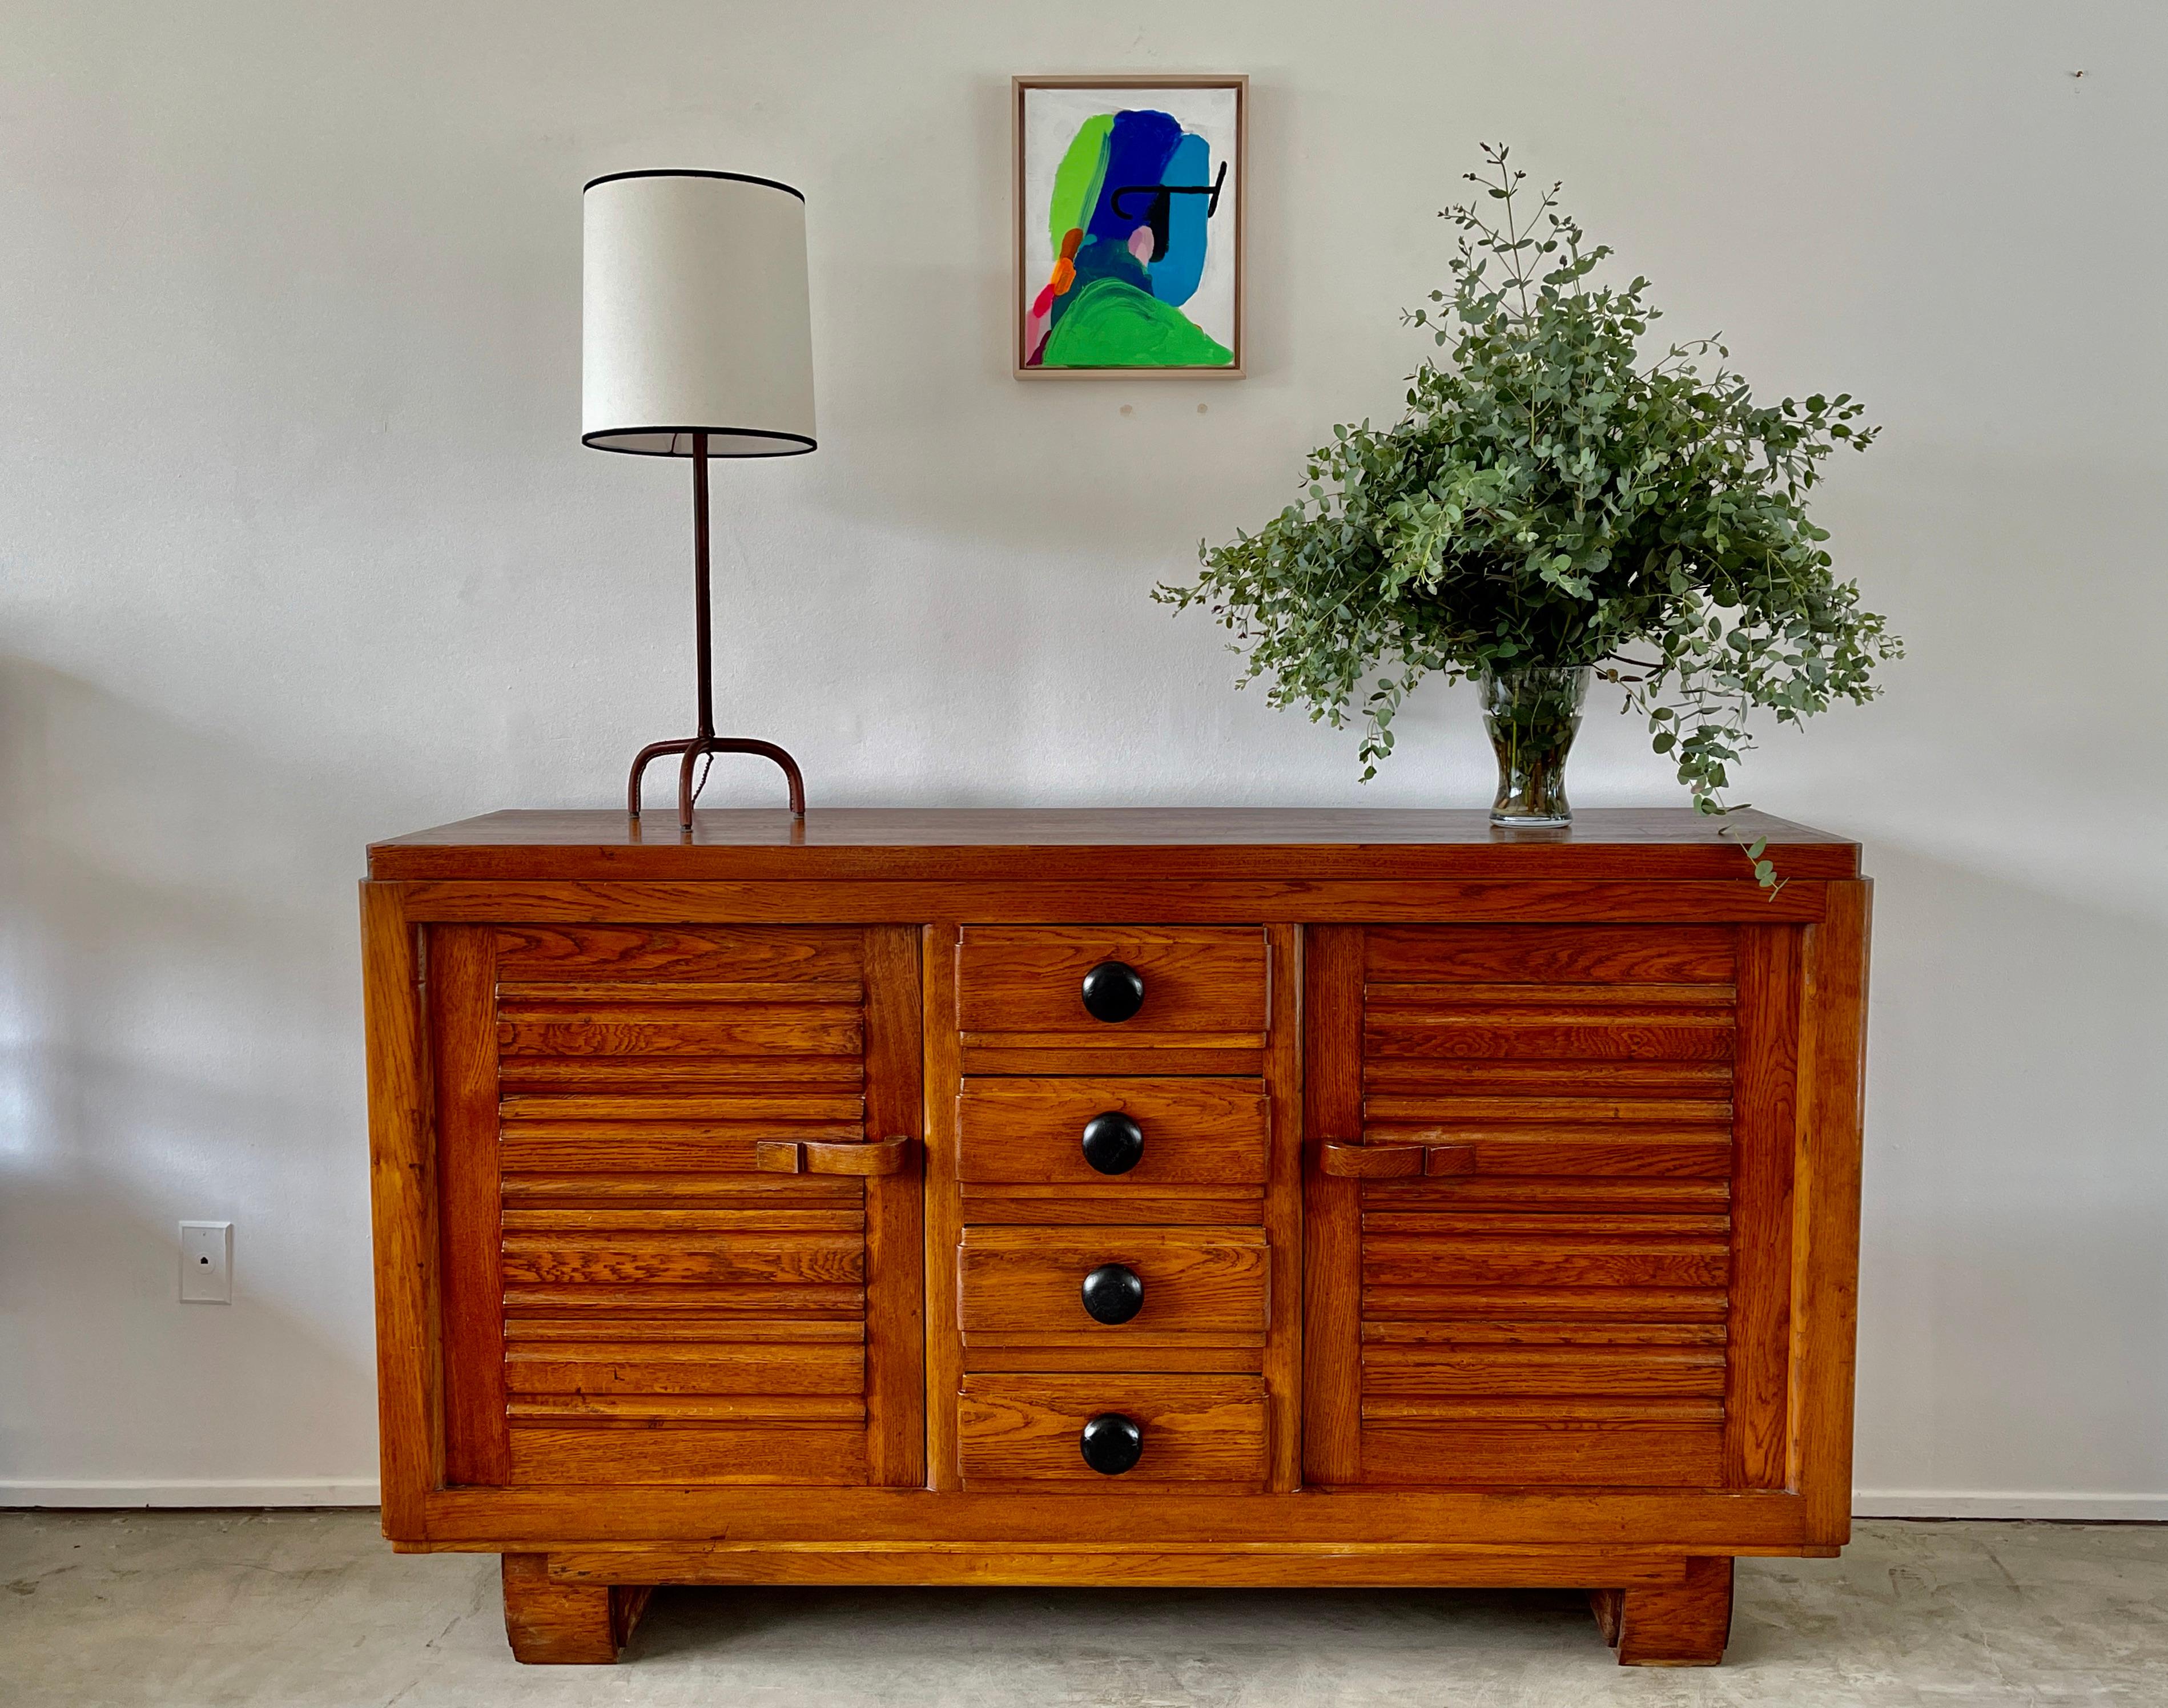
1683 1625
566 1624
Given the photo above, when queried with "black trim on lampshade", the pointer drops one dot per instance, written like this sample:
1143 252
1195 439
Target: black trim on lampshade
743 177
799 444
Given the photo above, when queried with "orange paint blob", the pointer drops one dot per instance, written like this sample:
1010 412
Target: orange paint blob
1065 275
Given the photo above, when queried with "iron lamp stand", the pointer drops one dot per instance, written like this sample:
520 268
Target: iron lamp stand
694 748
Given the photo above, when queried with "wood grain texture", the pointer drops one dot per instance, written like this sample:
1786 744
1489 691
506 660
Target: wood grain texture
549 997
1030 1130
1570 1367
1610 1453
1562 1259
1028 980
1284 1211
563 1189
1548 1151
1104 1052
1332 1281
792 1220
1706 1520
1297 1566
1027 1428
701 1029
754 1298
1640 1037
756 954
1028 1280
895 1105
945 1346
1074 1205
1765 1137
622 1147
734 901
978 1058
839 1077
461 977
1825 1219
403 1197
706 1258
1595 1195
554 1623
689 1326
679 1365
1060 846
597 1455
1597 1304
1551 956
1683 1625
1533 1338
659 1410
1177 1354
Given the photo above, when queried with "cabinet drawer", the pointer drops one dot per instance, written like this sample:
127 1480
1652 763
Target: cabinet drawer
1030 1280
1205 983
1194 1430
1027 1131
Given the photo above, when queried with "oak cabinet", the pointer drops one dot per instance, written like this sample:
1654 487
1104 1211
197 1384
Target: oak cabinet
629 1296
1183 1198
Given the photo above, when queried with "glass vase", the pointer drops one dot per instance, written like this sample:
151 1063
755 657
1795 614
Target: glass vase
1532 716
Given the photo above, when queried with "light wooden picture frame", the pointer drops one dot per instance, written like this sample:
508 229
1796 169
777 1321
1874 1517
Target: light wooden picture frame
1128 216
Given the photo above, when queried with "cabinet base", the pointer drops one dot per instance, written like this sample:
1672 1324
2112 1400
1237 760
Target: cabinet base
549 1622
1683 1624
572 1607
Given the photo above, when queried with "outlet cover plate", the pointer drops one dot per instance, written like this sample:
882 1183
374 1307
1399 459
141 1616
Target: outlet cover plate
206 1263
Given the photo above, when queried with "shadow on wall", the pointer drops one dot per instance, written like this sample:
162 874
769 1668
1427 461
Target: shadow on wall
182 1015
2015 1282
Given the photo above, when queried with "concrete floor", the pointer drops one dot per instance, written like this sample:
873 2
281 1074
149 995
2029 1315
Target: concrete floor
296 1609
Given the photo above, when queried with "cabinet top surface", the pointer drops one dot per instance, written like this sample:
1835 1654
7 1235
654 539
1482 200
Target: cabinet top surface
1647 843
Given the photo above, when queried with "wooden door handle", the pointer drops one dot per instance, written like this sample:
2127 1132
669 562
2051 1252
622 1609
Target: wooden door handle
1345 1160
880 1156
1371 1161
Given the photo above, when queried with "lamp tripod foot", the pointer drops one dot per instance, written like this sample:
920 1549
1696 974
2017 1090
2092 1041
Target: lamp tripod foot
691 749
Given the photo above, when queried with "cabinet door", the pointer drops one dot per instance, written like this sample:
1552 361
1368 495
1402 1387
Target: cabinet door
1562 1255
640 1285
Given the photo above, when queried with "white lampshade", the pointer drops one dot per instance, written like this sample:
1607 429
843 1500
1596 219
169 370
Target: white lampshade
695 317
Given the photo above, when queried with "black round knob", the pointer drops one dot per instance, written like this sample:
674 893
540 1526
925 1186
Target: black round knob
1113 991
1112 1444
1114 1144
1113 1293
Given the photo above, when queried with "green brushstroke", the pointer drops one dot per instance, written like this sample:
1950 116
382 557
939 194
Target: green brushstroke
1112 324
1077 180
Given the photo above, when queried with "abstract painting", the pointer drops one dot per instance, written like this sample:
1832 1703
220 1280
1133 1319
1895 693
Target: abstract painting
1128 199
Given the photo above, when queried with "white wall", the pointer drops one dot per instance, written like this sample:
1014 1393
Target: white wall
299 548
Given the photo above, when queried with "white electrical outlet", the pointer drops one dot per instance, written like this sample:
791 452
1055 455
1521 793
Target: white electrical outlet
206 1263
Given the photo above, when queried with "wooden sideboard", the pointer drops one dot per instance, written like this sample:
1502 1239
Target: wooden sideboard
1115 1198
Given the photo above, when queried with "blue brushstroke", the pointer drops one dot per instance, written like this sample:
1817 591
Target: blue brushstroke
1138 149
1175 275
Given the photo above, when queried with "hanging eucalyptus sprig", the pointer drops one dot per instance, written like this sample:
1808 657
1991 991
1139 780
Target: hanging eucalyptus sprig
1550 497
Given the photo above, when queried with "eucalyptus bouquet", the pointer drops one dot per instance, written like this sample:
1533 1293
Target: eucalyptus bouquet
1552 499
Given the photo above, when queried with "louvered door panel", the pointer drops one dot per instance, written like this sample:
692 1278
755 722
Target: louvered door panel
1596 1297
629 1297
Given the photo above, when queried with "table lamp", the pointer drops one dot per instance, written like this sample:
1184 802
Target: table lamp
697 342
